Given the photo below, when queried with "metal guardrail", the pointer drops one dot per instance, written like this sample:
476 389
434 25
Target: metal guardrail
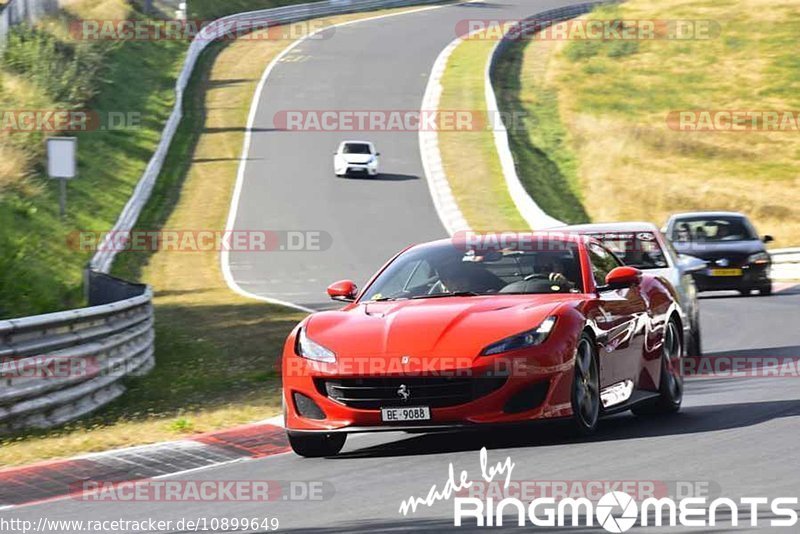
785 263
543 20
57 367
526 205
220 28
60 366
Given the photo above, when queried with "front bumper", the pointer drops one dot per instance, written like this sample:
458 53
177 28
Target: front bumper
354 168
547 384
752 277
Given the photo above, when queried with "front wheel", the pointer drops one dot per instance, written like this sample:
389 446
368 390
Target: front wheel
765 291
316 445
585 387
671 383
695 345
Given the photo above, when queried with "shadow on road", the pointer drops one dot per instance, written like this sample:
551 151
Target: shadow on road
384 177
413 524
719 295
692 420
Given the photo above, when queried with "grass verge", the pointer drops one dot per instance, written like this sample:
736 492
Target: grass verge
213 9
607 102
469 157
545 163
216 352
39 271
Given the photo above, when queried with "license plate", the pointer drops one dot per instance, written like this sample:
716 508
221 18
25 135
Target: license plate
412 413
726 272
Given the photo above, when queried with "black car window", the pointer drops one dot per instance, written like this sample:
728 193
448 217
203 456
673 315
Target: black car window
447 268
707 229
356 148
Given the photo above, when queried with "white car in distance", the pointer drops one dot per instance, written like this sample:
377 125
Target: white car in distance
356 157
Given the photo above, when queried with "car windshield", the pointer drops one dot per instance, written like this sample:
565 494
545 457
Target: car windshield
451 269
356 148
637 249
712 229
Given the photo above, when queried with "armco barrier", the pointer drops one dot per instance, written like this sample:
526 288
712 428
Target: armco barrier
526 205
60 366
785 263
57 367
222 27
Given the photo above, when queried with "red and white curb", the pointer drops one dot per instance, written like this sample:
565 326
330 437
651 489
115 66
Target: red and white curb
61 479
244 158
535 216
438 184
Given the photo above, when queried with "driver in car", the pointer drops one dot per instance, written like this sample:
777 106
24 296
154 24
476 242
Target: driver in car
470 277
552 271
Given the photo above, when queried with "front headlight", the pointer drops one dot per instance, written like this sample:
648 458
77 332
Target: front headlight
307 348
761 258
530 338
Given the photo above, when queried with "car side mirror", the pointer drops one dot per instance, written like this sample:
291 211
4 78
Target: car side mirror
690 264
767 239
377 153
622 277
343 291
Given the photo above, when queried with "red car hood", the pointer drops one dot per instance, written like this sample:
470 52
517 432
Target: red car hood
440 327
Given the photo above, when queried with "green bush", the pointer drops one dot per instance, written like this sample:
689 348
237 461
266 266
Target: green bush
69 72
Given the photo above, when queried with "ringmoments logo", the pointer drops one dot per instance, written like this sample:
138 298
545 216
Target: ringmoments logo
618 511
606 507
614 511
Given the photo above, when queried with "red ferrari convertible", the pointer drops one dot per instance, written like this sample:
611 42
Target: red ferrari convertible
476 331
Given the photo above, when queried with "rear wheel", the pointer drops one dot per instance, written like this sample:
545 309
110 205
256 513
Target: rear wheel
745 292
765 291
671 386
316 445
585 387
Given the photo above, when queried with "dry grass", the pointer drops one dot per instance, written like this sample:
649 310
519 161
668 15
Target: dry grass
13 165
614 103
99 9
469 157
16 164
216 352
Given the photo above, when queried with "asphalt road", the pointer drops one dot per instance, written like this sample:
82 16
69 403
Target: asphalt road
737 437
289 182
734 438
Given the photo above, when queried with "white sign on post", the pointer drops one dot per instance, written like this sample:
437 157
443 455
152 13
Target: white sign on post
61 154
